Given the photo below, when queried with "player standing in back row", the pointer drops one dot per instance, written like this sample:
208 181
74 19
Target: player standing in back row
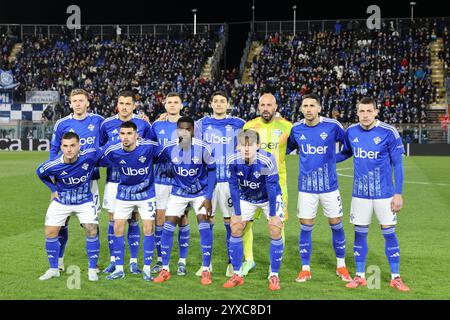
165 131
87 126
109 133
315 137
376 148
274 133
220 132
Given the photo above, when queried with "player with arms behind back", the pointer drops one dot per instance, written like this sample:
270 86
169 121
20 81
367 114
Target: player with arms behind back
220 132
315 137
194 171
165 131
274 132
109 133
377 149
136 191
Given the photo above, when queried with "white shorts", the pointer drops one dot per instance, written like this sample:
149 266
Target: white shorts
177 205
124 209
96 195
162 196
362 209
109 196
249 209
308 203
222 199
58 213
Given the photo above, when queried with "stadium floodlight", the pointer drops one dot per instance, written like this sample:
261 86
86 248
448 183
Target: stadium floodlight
253 16
295 17
194 11
412 10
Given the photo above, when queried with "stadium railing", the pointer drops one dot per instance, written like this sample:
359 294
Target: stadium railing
109 31
265 28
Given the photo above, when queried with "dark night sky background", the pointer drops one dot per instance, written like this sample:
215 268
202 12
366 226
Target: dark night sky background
169 11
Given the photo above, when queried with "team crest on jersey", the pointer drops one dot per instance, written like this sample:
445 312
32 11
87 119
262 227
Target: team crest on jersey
85 166
323 135
377 140
257 174
142 159
355 140
303 137
195 160
240 173
277 132
91 127
228 127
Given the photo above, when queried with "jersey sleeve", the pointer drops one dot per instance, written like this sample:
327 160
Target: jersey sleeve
340 134
272 185
234 188
55 144
396 150
291 143
346 151
149 133
211 166
103 134
44 174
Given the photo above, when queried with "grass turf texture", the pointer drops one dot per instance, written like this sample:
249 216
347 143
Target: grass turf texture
423 233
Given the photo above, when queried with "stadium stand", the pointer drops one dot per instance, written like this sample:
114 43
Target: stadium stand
341 64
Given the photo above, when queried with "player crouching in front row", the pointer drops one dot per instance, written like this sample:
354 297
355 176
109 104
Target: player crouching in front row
194 171
254 184
71 194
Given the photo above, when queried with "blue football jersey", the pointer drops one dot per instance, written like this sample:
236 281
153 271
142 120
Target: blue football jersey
221 135
164 131
374 153
72 181
256 183
190 169
135 168
317 154
109 133
87 129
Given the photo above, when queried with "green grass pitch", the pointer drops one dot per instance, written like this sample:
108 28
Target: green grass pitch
423 232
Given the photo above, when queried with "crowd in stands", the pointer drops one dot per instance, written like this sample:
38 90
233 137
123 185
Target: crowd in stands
6 44
392 65
341 65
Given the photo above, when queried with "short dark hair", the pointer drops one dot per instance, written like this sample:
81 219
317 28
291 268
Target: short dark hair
129 124
314 96
173 94
186 120
219 93
70 135
127 94
368 100
248 135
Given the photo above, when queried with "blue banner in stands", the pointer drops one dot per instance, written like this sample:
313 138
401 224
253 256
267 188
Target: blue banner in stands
7 80
6 97
42 96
